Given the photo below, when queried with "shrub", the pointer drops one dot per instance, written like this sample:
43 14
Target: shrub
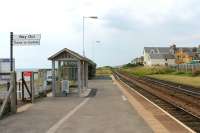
196 72
131 65
179 73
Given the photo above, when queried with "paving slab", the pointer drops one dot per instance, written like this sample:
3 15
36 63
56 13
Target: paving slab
107 112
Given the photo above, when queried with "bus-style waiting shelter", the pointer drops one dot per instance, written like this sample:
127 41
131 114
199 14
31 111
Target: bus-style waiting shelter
70 69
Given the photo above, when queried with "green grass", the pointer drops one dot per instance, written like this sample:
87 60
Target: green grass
103 71
181 79
183 74
142 71
164 73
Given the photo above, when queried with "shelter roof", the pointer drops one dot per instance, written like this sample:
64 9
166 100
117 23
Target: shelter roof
67 53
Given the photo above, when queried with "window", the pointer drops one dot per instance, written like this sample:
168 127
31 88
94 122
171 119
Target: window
152 51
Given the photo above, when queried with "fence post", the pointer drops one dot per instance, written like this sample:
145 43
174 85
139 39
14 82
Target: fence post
23 99
32 88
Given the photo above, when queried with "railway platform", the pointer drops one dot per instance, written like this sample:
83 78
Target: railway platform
108 112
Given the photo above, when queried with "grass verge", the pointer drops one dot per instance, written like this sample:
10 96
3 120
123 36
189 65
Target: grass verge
143 71
180 79
103 71
164 73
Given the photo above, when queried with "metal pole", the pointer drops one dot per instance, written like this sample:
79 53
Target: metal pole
23 99
53 79
11 51
83 37
13 96
79 77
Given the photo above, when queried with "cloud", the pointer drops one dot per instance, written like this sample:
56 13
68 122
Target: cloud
144 13
123 26
120 19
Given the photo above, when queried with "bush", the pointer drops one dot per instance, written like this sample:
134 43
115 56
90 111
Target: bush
129 65
196 72
179 73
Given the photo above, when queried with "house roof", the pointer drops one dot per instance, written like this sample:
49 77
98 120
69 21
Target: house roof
162 56
188 50
164 52
157 50
74 54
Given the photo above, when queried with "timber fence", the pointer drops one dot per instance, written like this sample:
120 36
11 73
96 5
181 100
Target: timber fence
186 67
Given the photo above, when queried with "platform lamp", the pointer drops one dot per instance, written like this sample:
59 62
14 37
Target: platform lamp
93 49
91 17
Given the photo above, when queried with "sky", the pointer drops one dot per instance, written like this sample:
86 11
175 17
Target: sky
123 27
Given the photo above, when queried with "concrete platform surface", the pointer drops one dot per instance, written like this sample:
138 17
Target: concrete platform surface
107 112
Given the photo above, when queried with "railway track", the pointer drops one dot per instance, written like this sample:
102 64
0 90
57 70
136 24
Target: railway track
182 114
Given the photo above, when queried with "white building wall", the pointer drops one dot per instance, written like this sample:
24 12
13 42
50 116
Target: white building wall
150 62
171 61
161 62
146 58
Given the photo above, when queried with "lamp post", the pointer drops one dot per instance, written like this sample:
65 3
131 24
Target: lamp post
92 17
93 50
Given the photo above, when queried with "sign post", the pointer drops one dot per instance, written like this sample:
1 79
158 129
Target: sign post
23 40
11 51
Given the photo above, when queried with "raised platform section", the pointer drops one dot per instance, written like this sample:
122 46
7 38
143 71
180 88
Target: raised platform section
108 111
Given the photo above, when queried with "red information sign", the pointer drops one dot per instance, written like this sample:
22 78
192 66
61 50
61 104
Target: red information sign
27 74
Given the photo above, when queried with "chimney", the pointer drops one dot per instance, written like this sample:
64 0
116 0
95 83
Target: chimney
174 46
173 49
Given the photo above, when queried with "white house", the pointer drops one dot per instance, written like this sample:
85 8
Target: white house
158 56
